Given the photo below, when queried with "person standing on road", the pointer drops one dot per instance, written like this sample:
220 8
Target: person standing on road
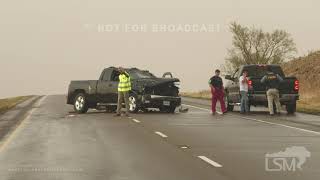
217 92
272 82
123 91
244 87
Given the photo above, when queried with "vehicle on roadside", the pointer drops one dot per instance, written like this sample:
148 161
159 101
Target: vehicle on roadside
148 91
289 87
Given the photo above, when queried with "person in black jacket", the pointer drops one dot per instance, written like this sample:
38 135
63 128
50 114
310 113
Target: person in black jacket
272 82
217 92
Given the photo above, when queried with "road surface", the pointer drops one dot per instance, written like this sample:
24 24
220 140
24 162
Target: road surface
54 143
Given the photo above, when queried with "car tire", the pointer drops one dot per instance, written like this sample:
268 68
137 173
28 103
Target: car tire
133 104
227 102
291 108
80 104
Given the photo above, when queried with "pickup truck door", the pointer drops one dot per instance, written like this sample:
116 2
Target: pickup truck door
102 89
107 87
113 91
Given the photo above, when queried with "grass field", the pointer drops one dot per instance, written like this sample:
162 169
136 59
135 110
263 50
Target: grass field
8 103
306 104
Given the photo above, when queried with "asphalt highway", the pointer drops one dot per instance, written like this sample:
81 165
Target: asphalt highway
54 143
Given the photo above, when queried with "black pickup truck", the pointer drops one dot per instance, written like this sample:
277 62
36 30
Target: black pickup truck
148 91
289 87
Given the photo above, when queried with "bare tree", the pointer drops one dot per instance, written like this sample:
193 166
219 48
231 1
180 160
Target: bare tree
253 46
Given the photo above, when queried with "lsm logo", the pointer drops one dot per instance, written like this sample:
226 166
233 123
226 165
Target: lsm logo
289 160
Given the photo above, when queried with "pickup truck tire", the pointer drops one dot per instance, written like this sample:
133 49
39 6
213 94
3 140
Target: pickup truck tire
133 104
227 102
291 108
80 103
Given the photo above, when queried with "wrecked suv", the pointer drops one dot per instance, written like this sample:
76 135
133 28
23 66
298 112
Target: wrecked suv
148 91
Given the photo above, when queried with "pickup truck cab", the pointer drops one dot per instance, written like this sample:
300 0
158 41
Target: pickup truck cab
289 87
148 91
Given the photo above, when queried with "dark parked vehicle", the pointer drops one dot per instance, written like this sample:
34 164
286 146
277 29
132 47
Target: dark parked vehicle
148 91
289 88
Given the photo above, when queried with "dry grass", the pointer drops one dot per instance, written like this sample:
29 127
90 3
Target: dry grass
307 105
8 103
307 70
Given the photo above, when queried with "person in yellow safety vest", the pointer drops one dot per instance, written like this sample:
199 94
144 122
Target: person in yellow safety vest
123 91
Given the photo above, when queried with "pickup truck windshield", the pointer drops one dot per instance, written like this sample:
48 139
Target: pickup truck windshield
260 71
137 74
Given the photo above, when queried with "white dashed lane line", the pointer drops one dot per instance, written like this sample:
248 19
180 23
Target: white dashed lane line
282 125
136 121
209 161
161 134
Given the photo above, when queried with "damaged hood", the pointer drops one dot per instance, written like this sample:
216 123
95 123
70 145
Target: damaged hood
152 82
140 84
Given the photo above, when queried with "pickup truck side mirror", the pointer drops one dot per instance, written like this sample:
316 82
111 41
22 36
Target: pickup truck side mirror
229 77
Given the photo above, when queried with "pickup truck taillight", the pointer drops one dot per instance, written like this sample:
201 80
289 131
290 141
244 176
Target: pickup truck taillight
250 83
296 85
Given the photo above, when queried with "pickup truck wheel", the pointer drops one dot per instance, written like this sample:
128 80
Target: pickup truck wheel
228 105
291 108
133 104
80 104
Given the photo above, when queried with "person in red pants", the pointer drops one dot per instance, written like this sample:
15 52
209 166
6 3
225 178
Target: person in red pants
217 92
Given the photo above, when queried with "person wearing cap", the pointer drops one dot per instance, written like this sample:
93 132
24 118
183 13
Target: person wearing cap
217 92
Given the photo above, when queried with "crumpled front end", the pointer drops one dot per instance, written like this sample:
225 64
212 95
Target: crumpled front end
161 92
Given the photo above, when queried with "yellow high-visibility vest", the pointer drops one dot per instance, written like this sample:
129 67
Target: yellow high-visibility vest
124 83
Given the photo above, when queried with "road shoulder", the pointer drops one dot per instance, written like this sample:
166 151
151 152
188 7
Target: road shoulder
13 117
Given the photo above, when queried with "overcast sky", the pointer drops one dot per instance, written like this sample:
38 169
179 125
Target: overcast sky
44 44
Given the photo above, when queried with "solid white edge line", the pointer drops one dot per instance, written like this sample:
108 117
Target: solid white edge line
209 161
136 120
161 134
201 108
291 127
266 122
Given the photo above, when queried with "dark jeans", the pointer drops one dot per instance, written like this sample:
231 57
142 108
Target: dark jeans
244 102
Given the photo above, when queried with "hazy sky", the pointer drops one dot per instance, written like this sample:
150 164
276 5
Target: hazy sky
44 43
